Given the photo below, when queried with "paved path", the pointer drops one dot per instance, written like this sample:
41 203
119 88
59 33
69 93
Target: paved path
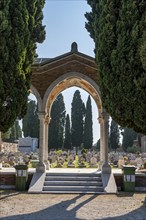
24 206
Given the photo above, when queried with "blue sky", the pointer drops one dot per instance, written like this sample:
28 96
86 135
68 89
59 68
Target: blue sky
65 23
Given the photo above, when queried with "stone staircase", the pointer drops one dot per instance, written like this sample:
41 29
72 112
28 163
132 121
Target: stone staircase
73 183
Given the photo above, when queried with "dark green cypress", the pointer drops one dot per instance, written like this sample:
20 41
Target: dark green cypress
14 133
118 28
21 28
30 122
128 137
88 126
67 139
77 115
114 135
18 130
57 123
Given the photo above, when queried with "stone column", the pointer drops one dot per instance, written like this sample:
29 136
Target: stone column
0 142
47 121
101 142
41 165
105 137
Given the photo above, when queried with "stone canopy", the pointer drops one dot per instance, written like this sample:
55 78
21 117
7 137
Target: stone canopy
52 76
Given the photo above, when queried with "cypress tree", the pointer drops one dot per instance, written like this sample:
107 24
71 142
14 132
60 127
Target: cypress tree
30 122
77 115
18 130
119 31
128 137
88 125
114 135
21 28
56 127
6 136
14 133
67 140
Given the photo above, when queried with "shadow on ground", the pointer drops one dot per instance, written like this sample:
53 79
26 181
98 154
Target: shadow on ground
9 193
61 211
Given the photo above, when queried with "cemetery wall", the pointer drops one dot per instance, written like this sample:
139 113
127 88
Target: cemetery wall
7 181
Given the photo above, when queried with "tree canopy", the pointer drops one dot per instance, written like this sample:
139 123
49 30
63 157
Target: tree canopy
21 28
56 126
13 133
88 125
67 139
114 136
77 116
118 29
30 122
128 137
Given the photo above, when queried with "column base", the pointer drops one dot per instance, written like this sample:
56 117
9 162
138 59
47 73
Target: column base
106 168
100 165
47 165
41 168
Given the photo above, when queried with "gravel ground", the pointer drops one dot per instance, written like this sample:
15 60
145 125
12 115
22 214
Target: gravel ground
24 206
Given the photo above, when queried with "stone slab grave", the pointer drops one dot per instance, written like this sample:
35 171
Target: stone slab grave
93 161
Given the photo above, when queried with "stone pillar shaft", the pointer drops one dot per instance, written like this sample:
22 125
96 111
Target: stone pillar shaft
47 121
104 136
101 142
105 125
41 166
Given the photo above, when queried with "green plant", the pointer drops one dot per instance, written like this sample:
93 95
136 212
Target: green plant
34 163
84 150
53 165
76 161
58 152
133 149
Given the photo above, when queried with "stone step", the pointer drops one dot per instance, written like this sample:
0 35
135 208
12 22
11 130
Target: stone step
72 183
73 188
72 192
71 178
74 174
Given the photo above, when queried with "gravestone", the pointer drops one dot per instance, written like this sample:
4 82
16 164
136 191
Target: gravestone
121 163
81 159
133 162
143 144
93 161
139 162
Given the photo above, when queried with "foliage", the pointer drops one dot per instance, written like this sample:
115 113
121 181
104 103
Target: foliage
88 126
98 145
118 29
84 150
14 133
30 122
77 116
128 137
114 135
59 152
67 140
134 149
21 28
56 127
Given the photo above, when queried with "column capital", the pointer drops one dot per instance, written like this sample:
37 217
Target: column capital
104 116
41 115
47 119
100 119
